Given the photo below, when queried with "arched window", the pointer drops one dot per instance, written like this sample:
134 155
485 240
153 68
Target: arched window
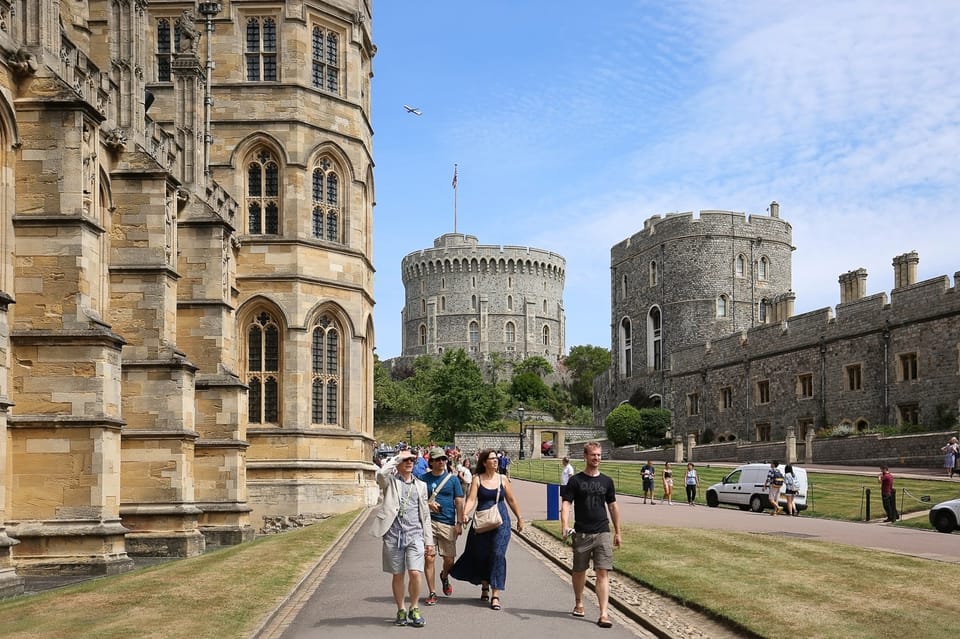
546 336
423 307
544 307
261 49
509 302
263 370
623 287
443 303
474 335
510 333
722 306
739 264
654 339
326 202
327 369
654 275
762 311
326 60
762 267
263 191
168 41
626 347
423 335
473 302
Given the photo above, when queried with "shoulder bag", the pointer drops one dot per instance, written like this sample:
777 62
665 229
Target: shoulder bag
489 519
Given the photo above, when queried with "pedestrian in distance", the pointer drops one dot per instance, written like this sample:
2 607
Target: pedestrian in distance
690 481
951 452
403 522
888 495
667 477
774 484
594 499
790 489
567 472
484 559
446 516
647 475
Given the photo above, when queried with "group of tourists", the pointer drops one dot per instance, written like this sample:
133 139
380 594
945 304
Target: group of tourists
648 478
423 515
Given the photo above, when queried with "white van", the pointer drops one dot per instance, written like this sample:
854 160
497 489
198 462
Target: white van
744 488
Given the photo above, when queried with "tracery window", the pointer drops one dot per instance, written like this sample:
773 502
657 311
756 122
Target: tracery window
762 268
546 336
327 368
739 265
510 332
654 339
722 306
168 41
263 370
422 335
626 347
263 191
261 49
326 202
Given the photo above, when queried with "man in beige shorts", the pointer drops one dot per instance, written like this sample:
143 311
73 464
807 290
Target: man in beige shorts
446 513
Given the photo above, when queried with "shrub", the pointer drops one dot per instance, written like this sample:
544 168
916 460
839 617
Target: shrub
623 425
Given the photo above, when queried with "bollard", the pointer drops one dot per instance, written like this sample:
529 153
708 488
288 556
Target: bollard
868 504
553 502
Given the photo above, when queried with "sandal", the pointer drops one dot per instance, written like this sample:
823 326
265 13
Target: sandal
577 611
484 594
603 622
495 603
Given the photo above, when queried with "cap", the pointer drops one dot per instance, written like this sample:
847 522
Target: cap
437 453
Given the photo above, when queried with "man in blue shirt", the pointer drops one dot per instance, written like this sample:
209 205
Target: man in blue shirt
446 513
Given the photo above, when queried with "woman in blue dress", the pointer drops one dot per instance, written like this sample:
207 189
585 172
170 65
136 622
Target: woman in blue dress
484 558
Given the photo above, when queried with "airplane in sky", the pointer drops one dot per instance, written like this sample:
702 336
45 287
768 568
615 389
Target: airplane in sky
413 110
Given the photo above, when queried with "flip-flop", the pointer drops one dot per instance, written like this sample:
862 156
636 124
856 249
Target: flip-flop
603 622
578 611
494 606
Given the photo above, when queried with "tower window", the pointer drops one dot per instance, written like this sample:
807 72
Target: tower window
261 49
326 60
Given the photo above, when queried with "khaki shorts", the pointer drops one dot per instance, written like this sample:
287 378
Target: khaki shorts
596 546
445 537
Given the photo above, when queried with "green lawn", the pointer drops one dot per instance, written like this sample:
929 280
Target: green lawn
831 495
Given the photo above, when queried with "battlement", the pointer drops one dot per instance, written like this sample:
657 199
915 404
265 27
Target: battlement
457 253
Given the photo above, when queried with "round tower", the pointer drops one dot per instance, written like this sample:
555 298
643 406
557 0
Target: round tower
484 299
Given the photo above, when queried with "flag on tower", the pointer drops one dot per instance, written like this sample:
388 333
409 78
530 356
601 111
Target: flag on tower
454 183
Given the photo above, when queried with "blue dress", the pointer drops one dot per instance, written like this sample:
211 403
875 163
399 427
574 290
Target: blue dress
484 557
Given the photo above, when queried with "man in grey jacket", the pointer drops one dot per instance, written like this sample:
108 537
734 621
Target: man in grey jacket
403 523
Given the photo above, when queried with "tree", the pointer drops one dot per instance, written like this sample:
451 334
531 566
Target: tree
527 387
536 365
584 364
458 399
623 425
654 423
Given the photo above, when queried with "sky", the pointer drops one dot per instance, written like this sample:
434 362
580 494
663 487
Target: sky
572 126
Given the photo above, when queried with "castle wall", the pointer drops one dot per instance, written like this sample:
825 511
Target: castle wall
513 294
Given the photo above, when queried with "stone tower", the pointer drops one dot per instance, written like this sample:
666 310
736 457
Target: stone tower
485 299
186 281
684 280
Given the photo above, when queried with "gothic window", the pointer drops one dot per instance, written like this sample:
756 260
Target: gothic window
726 398
263 194
626 347
654 339
326 60
738 265
654 276
693 404
327 373
623 287
261 49
443 303
854 374
422 335
907 368
443 283
510 332
722 306
762 311
326 202
168 41
546 336
473 302
474 335
423 307
509 302
762 267
263 370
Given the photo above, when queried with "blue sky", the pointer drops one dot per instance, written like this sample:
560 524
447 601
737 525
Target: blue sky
571 127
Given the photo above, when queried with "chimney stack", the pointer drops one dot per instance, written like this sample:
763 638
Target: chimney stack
905 269
853 285
774 209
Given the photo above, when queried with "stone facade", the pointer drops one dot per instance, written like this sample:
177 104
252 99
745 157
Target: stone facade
758 378
186 281
505 300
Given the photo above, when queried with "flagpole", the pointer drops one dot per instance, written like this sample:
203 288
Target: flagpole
454 198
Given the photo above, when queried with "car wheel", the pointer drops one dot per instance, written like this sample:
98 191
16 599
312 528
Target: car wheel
756 504
943 520
712 500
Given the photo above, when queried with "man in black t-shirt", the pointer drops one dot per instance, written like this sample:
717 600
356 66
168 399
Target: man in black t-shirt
593 495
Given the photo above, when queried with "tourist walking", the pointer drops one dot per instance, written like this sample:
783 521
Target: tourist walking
593 496
567 472
647 475
446 516
484 559
667 478
691 480
950 454
888 495
790 488
403 523
774 484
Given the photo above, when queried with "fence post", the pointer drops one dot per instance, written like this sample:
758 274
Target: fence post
867 492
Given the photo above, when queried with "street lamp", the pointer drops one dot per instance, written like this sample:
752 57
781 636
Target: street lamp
520 414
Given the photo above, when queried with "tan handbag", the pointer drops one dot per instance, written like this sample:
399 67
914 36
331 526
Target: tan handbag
489 519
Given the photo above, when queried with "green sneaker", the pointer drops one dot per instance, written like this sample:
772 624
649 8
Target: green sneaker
401 619
416 620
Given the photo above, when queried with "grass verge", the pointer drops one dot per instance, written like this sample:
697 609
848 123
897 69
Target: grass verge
777 586
223 593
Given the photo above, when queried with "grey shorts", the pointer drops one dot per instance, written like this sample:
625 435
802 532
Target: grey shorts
400 560
596 546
